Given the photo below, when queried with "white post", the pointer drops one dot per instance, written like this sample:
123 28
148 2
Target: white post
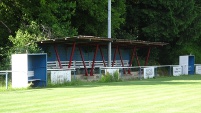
6 80
109 33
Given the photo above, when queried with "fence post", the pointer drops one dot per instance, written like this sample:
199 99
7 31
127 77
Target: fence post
170 71
6 80
74 74
100 72
155 71
140 73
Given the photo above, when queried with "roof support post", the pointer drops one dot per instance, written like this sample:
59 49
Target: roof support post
102 57
147 58
71 56
131 60
114 58
95 53
57 55
137 58
122 63
86 72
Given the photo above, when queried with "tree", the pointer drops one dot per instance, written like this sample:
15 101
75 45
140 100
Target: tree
130 29
53 18
26 38
175 22
91 16
54 15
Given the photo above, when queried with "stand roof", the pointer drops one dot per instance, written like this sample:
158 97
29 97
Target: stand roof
92 40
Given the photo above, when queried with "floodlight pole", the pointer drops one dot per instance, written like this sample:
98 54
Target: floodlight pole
109 33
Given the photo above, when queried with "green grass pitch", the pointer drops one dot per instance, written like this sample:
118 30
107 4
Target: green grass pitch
161 95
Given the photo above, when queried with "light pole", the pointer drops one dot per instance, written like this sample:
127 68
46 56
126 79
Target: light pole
109 33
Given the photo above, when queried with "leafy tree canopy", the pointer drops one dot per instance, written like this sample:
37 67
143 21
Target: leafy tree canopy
91 16
176 22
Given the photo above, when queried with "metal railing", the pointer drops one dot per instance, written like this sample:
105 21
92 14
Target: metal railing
139 68
6 75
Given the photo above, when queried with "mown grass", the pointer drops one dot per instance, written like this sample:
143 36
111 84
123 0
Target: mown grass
160 95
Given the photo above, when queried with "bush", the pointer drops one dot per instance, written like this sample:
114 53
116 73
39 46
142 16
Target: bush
116 76
110 78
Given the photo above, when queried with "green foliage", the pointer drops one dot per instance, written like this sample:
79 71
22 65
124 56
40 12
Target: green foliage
116 76
53 15
166 20
110 78
91 16
23 42
25 39
130 28
106 78
175 22
53 18
57 17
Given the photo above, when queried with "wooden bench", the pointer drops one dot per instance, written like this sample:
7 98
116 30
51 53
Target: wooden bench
30 77
79 64
119 64
55 64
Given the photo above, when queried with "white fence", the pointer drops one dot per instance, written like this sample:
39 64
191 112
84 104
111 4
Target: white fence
140 70
101 68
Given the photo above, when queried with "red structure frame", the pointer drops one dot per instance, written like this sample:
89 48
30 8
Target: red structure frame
114 58
147 58
94 58
97 41
57 55
102 57
85 68
122 63
71 56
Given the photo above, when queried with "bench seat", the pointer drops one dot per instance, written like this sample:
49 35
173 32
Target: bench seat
32 80
30 77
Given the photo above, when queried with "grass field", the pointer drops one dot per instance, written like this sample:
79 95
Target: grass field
160 95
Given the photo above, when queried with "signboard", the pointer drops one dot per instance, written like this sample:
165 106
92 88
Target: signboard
58 77
111 71
148 72
177 71
198 70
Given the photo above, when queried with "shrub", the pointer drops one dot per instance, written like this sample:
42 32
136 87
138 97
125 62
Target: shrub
116 76
110 78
